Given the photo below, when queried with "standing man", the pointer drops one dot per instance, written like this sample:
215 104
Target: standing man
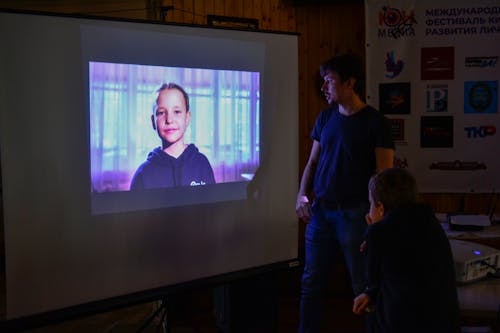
352 141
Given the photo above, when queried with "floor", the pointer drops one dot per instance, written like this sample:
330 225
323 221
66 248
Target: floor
195 312
133 319
268 305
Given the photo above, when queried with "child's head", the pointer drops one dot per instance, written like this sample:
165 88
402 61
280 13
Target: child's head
390 189
171 114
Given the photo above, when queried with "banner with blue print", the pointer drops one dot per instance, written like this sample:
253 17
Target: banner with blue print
432 67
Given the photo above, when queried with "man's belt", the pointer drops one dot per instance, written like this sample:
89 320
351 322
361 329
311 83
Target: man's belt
341 205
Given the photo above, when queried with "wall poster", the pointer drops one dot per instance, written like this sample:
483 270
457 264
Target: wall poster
433 69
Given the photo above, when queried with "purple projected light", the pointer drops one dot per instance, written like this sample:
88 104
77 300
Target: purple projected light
224 124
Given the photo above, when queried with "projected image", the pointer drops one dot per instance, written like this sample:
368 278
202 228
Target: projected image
161 127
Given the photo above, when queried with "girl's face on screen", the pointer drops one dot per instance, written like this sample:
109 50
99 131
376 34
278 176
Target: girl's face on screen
172 117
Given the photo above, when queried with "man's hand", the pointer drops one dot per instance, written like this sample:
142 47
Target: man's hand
361 302
303 208
362 247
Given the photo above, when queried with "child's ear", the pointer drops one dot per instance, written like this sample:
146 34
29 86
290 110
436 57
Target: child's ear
153 122
351 82
381 208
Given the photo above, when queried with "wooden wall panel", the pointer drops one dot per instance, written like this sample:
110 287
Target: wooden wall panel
250 10
133 9
219 7
325 30
177 14
188 11
265 13
442 203
469 203
200 10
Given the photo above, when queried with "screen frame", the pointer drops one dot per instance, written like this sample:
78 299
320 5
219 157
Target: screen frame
86 308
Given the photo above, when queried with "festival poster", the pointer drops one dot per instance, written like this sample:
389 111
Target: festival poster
432 68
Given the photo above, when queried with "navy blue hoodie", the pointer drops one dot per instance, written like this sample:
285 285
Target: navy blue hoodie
160 170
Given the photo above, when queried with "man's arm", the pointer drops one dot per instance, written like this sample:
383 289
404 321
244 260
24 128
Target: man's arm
384 158
302 206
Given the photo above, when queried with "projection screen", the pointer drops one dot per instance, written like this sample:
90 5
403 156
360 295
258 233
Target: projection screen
78 101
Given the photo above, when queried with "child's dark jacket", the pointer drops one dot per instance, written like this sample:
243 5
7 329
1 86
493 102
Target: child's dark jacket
411 274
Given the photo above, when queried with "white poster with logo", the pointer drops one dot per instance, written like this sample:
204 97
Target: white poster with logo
433 69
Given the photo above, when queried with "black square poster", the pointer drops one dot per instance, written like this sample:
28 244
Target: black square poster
394 98
436 132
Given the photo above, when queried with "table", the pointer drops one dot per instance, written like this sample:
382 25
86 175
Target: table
480 300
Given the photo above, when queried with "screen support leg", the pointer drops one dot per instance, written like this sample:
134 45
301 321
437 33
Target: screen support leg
161 313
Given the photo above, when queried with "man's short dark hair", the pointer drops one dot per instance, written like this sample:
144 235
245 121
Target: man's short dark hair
346 66
393 187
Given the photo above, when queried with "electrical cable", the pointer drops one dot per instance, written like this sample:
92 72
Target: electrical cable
496 273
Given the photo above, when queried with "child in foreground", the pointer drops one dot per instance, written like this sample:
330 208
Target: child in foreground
410 270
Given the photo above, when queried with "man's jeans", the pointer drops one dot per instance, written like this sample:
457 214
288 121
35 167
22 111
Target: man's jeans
325 228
